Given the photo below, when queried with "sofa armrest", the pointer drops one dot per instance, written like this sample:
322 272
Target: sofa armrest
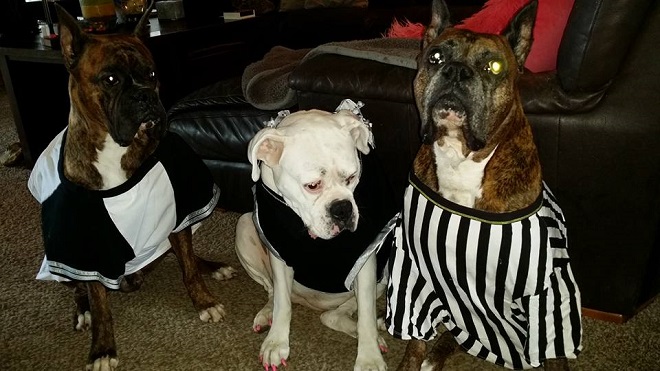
541 93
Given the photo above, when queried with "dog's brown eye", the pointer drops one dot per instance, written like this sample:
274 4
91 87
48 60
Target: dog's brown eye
314 186
349 180
435 58
494 67
111 80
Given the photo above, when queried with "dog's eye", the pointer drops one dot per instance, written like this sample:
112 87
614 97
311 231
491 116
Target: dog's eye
314 186
111 80
494 67
152 75
350 179
435 58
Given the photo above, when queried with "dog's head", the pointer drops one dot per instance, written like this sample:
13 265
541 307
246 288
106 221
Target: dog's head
466 82
113 84
311 159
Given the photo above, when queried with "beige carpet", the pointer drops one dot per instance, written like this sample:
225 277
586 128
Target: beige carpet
157 328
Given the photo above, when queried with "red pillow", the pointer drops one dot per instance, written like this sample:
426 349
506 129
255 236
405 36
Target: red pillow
551 18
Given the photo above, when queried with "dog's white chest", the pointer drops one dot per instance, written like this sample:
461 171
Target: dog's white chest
459 177
108 163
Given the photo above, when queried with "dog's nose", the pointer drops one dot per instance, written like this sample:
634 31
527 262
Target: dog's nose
341 210
144 96
457 72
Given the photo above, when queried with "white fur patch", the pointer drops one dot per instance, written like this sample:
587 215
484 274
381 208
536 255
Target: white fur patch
459 177
108 163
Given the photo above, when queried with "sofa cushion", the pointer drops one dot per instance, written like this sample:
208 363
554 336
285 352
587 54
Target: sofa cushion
551 18
596 40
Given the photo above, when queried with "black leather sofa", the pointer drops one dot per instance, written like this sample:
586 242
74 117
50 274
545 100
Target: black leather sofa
596 120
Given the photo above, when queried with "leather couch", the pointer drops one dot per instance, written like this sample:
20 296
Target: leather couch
596 120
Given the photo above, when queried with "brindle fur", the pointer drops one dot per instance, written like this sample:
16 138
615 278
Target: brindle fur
96 110
512 178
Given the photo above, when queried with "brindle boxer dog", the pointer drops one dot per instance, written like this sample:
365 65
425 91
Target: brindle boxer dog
482 243
117 190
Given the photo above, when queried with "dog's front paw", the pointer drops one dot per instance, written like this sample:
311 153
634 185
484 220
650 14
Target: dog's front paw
104 363
274 352
215 313
224 273
370 361
82 321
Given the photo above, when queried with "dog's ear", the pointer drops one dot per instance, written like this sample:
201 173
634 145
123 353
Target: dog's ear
141 30
267 146
519 32
72 37
439 21
358 130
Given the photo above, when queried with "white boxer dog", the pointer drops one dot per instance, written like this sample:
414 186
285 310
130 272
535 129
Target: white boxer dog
314 237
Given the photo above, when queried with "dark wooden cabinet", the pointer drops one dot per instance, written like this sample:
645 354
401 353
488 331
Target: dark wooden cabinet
188 56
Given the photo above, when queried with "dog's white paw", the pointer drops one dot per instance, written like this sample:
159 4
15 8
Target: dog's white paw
263 320
224 273
370 361
83 321
215 313
274 352
105 363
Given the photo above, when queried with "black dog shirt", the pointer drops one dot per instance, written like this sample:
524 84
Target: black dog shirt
102 235
329 265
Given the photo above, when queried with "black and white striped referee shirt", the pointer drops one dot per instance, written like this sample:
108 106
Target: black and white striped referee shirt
500 283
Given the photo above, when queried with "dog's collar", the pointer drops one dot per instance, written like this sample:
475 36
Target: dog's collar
271 193
484 216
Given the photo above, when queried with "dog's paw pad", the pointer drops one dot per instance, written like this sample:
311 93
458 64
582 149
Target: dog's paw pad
224 273
105 363
83 321
213 314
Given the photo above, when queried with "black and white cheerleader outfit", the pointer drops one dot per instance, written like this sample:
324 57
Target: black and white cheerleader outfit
102 235
500 283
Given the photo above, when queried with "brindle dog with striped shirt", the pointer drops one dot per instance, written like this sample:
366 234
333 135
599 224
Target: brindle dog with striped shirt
481 247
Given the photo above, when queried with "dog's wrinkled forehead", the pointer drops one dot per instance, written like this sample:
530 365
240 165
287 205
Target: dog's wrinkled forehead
459 45
127 55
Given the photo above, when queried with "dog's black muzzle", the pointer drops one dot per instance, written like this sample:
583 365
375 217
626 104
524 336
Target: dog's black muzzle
453 95
139 110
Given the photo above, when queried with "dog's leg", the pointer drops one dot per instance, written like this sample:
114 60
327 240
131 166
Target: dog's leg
103 353
82 318
341 318
370 343
132 282
275 348
208 308
256 261
414 356
444 347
